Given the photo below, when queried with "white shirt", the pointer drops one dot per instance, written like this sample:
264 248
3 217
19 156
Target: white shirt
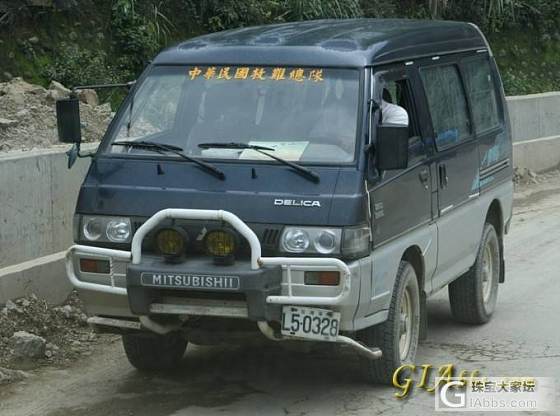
393 114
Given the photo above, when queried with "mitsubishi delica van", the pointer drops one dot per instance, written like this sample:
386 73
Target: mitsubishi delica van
311 182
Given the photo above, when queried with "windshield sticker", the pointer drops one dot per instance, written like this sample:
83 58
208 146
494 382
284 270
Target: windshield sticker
285 150
256 73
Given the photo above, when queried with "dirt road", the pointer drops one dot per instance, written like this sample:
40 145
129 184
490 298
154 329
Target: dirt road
523 339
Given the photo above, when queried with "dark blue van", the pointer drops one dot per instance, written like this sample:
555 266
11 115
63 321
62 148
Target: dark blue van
311 181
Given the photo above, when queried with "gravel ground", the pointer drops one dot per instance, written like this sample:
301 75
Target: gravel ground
28 119
62 330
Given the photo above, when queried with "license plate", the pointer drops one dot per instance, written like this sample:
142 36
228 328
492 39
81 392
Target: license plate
190 281
313 323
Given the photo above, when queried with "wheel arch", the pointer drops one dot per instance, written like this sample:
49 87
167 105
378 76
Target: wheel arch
414 256
494 216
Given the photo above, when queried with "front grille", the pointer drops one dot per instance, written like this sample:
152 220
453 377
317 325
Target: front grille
200 294
270 237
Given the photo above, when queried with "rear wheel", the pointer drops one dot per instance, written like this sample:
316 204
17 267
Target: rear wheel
473 295
149 352
397 337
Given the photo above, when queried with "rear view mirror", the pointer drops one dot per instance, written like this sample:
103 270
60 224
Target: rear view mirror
68 120
391 147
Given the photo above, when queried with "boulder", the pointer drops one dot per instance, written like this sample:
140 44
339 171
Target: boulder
88 97
11 376
58 87
6 123
26 345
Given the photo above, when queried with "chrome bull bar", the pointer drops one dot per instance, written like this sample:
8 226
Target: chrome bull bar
257 261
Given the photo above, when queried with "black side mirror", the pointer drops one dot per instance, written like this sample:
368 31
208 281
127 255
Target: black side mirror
391 147
68 120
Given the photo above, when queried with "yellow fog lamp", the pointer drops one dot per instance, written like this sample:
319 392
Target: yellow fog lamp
221 244
171 242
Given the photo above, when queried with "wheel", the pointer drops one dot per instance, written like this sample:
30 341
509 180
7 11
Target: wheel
149 352
397 337
473 295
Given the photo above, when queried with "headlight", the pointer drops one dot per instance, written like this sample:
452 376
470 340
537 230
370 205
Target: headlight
295 240
351 242
118 231
106 229
93 228
311 240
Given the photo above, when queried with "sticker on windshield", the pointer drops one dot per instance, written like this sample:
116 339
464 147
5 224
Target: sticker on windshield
256 73
285 150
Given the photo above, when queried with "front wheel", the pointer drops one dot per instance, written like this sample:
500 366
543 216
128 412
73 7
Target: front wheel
397 337
473 295
149 352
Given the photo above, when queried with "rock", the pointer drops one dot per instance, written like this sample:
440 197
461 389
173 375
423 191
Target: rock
6 122
34 40
22 113
531 174
26 345
11 376
57 86
7 75
89 97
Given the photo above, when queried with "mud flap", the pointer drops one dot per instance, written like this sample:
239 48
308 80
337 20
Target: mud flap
423 333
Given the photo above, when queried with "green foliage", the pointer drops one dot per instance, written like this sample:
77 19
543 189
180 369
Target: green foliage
75 66
113 39
140 28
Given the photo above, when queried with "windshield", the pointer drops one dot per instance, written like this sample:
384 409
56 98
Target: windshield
304 114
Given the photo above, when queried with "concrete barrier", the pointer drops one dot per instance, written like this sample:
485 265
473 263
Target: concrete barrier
535 126
38 195
37 199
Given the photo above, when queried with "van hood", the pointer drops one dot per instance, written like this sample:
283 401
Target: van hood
257 193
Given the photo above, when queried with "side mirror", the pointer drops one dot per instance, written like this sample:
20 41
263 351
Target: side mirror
391 147
68 120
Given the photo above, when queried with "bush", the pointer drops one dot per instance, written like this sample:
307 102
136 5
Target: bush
73 66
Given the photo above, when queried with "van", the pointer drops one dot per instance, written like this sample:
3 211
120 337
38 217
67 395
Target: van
313 181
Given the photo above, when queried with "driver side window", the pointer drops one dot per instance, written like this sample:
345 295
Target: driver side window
397 106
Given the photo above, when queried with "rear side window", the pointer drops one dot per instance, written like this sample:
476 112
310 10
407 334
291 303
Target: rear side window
480 87
447 103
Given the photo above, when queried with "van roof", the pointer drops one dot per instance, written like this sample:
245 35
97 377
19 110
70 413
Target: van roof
331 42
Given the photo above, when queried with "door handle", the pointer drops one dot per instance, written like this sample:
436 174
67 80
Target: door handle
443 178
424 176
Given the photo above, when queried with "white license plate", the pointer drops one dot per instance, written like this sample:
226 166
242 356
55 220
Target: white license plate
313 323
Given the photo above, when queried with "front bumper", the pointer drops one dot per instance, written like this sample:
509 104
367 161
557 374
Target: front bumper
266 282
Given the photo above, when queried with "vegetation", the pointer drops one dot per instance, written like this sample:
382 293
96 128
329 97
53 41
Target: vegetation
94 41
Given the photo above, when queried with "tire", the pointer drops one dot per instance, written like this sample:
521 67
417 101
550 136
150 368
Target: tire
150 352
388 335
473 295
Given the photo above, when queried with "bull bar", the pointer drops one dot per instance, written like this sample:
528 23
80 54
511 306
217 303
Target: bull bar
257 261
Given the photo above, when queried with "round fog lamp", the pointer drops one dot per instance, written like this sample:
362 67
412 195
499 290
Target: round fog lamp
220 243
296 241
171 242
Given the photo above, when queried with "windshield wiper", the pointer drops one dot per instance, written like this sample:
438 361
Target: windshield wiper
162 148
305 172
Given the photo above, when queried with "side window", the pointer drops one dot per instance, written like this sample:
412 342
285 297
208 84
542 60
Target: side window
447 104
482 94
